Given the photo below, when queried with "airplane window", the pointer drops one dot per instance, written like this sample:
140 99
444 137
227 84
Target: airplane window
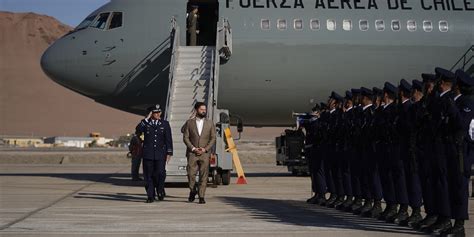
443 26
116 20
364 25
101 21
298 24
395 25
281 24
347 25
379 25
265 24
427 26
331 25
314 24
411 25
85 23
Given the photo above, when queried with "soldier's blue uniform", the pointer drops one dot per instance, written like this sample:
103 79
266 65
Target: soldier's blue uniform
459 169
443 113
157 145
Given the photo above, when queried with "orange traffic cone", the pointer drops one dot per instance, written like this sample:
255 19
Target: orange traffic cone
242 180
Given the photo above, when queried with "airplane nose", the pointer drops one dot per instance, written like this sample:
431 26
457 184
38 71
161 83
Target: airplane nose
53 64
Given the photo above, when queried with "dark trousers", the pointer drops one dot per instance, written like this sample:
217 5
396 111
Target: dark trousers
413 183
346 173
458 181
336 171
154 173
327 166
399 182
425 167
444 154
317 172
135 170
374 174
366 175
386 176
356 173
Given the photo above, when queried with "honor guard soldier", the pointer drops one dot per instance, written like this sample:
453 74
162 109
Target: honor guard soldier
426 148
389 148
364 147
157 151
459 169
413 171
347 150
373 155
356 169
404 127
442 116
332 161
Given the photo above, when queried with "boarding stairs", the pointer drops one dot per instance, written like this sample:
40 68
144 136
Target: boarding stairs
194 74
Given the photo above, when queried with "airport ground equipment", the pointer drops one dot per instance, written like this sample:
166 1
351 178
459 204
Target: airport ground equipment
290 152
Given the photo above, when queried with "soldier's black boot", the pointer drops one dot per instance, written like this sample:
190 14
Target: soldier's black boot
375 211
356 205
347 203
319 200
341 206
414 218
332 199
323 200
312 199
339 201
161 196
391 211
426 223
402 214
366 207
441 225
456 231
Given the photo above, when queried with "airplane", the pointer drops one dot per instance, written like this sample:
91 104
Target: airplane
286 54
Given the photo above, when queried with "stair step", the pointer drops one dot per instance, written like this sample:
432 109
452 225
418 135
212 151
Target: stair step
195 48
191 77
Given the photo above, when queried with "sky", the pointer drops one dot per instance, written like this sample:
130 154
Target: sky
70 12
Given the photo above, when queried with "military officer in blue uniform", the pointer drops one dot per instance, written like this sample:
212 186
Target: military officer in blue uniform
389 150
157 151
459 169
425 149
443 118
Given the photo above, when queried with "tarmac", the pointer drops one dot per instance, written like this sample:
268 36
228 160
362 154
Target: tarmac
100 200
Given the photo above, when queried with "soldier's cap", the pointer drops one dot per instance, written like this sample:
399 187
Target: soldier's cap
463 79
427 77
389 88
417 85
366 92
336 96
194 6
348 95
404 86
377 91
444 74
355 91
323 105
154 109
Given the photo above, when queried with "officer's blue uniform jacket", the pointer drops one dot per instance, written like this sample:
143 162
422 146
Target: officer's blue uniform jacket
157 139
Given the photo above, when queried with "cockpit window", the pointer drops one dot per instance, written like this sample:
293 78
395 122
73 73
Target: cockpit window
85 23
116 20
101 21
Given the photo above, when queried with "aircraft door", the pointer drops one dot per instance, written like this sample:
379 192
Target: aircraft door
207 12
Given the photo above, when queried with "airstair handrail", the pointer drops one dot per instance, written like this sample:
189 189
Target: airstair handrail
464 59
174 34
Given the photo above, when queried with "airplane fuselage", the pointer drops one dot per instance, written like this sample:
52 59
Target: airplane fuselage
309 48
